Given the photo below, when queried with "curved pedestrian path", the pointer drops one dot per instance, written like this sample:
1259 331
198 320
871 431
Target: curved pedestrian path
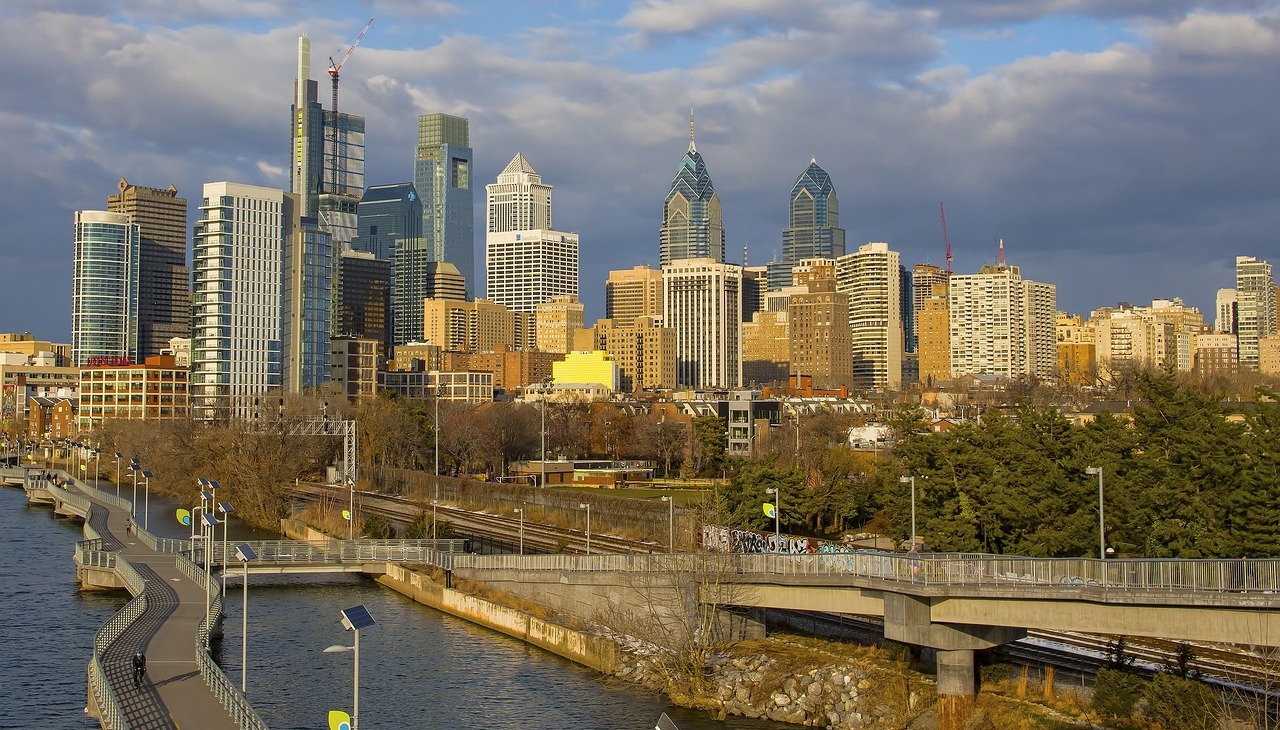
174 693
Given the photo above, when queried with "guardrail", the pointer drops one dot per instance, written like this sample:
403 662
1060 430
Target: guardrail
962 570
332 551
223 689
109 710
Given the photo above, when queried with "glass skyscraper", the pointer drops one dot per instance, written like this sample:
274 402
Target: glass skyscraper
442 177
104 287
307 272
692 219
164 288
813 224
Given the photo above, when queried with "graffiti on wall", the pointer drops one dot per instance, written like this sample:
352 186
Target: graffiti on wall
728 540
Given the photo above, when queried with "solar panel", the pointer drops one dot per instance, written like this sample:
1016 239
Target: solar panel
226 508
356 618
209 519
245 553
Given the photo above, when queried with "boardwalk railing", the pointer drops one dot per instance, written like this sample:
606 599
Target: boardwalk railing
334 551
968 570
223 689
110 712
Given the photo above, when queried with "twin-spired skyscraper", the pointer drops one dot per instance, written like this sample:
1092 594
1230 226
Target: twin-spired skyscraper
692 218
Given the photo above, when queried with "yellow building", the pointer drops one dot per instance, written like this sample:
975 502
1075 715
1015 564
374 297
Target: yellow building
24 343
766 348
416 356
1269 355
596 366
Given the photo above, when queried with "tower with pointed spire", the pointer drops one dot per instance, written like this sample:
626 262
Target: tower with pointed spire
527 263
813 224
692 220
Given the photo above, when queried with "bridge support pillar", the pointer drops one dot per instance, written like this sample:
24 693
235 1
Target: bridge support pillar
957 687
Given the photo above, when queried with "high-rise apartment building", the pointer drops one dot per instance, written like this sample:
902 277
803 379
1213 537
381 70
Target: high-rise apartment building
525 267
104 288
702 299
556 322
924 277
327 156
475 326
692 219
871 278
238 297
644 350
813 218
364 309
1077 351
634 292
755 287
1225 305
164 288
306 281
1216 353
906 290
1002 325
442 177
1255 307
933 323
821 341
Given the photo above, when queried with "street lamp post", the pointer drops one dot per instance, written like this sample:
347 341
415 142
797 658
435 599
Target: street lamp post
439 391
520 511
97 453
351 508
146 503
245 554
119 456
777 517
542 465
134 467
353 619
210 522
1102 522
587 507
671 523
912 480
226 509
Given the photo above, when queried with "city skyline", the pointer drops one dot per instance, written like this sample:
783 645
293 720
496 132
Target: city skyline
1093 143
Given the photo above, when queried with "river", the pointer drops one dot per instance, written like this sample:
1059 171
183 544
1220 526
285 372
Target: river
419 668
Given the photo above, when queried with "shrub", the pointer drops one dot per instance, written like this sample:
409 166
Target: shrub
377 527
1115 693
1181 704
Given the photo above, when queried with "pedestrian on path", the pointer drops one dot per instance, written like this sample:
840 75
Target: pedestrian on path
128 527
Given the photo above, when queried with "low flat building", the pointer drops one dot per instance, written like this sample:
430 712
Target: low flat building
353 366
460 387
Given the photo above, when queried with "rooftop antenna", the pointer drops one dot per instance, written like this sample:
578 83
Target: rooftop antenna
692 146
1000 255
744 257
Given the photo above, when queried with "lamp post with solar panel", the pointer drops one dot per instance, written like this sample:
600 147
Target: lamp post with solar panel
353 619
119 456
210 522
245 554
226 509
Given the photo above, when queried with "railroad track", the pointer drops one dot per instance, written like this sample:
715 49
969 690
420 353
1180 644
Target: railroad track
495 529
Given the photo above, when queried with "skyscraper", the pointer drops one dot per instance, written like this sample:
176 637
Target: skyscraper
1002 325
364 311
307 273
692 220
416 278
237 289
387 217
813 219
702 299
1225 304
525 267
634 292
104 287
442 177
164 289
871 278
1255 307
327 156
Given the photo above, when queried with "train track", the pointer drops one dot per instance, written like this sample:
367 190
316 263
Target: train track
486 528
1078 654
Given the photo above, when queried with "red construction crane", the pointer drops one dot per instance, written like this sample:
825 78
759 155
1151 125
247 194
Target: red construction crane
945 238
334 68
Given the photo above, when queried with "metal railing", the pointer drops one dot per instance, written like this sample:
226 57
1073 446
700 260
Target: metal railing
223 689
960 570
109 709
333 551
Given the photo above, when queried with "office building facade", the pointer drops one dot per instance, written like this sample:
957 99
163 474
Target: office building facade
556 322
692 217
388 217
306 281
821 341
644 350
442 178
813 219
238 302
634 292
104 288
326 155
702 299
525 267
1255 307
164 288
364 308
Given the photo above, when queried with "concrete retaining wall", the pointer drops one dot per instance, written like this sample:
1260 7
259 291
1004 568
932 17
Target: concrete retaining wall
585 649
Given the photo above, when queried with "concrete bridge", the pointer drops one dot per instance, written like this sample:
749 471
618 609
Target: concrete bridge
955 604
177 603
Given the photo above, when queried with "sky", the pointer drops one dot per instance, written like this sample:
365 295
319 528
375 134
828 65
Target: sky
1124 150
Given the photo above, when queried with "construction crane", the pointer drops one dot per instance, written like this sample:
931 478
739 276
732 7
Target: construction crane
334 67
945 238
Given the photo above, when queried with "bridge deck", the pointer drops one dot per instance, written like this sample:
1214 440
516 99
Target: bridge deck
173 694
